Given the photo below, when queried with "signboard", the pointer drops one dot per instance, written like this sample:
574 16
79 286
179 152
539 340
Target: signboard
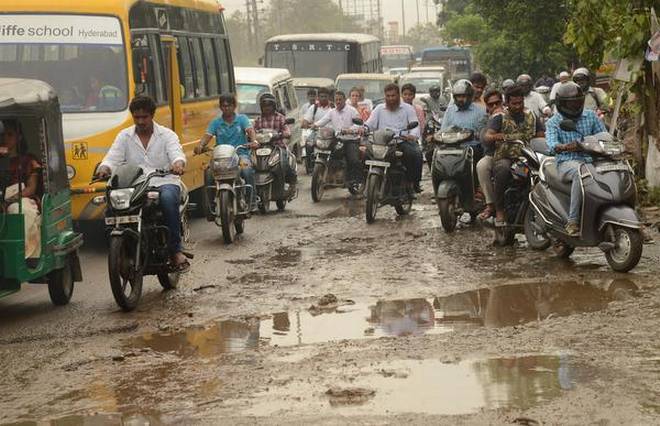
395 51
60 29
317 46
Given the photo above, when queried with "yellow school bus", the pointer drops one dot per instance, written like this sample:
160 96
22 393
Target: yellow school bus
99 54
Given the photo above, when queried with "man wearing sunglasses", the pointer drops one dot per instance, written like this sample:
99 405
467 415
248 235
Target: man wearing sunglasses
494 106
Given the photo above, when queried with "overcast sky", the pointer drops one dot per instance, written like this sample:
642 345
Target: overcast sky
391 9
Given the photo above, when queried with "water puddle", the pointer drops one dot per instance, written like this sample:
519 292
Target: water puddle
432 387
490 307
95 420
349 208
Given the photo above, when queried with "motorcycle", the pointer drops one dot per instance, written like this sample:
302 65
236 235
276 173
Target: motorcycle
138 234
330 163
433 125
270 170
386 182
309 136
519 217
609 220
232 194
453 176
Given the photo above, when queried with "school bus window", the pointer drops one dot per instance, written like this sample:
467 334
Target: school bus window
211 62
158 68
143 71
222 48
185 68
199 66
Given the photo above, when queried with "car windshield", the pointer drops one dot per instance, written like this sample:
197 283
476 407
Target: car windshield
248 96
396 60
88 77
301 93
422 84
373 89
310 64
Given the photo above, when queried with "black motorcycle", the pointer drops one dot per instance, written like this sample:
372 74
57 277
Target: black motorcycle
270 170
138 235
454 176
387 183
519 218
608 217
308 157
433 125
330 164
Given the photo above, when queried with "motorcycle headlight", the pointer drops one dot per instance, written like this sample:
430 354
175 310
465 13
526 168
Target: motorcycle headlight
264 137
274 159
120 199
323 143
224 165
379 151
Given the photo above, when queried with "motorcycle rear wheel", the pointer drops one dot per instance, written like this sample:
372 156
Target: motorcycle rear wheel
627 251
227 216
318 182
170 280
264 199
505 235
122 272
403 209
447 210
373 186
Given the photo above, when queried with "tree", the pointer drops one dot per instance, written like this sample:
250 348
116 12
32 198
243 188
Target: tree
423 35
307 16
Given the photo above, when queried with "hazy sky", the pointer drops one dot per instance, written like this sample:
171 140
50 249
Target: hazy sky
391 9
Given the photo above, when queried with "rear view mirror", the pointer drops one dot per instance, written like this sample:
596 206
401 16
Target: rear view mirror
412 125
568 125
358 121
290 120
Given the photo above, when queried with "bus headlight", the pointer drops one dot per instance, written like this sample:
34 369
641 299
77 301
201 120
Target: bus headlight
70 172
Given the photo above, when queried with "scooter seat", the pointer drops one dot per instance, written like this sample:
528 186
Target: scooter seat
552 177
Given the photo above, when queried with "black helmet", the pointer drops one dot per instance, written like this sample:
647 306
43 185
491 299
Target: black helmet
463 87
265 98
525 81
570 100
582 78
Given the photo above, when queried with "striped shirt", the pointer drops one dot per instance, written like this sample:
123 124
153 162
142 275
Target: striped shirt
587 124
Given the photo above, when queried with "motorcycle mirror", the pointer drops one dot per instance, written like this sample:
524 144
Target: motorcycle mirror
412 125
290 120
358 122
568 125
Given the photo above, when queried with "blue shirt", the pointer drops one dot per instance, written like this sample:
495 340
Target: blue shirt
397 120
473 118
587 124
229 134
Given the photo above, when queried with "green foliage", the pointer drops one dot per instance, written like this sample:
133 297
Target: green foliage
470 27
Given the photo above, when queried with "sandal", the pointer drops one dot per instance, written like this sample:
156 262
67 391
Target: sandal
486 213
181 268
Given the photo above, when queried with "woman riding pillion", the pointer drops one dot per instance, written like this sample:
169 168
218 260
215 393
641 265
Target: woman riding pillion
233 129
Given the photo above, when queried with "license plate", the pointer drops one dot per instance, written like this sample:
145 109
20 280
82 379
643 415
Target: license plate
611 168
318 151
377 163
118 220
263 151
450 152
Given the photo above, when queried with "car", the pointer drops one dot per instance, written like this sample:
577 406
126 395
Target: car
373 84
302 86
398 71
424 80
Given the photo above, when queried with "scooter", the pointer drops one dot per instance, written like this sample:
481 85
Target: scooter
453 176
232 195
608 217
387 183
330 164
309 137
519 217
270 170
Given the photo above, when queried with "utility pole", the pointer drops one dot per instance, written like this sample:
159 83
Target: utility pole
417 3
403 19
255 16
249 22
426 2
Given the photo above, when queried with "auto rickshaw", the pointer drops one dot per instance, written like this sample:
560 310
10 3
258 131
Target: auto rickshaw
34 191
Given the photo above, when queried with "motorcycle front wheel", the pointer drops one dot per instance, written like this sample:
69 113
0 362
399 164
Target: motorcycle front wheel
447 209
535 240
404 208
318 182
373 187
227 216
627 249
125 276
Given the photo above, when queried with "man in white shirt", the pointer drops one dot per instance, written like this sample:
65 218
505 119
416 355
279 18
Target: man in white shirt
340 118
152 146
396 115
564 76
318 111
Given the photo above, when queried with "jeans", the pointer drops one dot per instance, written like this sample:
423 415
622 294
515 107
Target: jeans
354 169
412 159
170 200
503 178
570 171
247 173
485 174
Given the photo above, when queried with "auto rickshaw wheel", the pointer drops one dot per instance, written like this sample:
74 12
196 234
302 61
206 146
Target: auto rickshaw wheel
60 284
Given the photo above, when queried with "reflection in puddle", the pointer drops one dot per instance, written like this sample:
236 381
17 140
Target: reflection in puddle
95 420
491 307
433 387
349 208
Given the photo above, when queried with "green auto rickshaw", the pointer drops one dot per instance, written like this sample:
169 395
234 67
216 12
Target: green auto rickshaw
37 241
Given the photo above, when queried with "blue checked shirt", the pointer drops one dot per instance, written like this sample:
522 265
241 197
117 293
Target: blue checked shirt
587 124
473 118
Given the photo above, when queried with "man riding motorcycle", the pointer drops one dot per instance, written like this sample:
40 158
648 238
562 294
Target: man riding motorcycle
494 106
271 119
533 101
479 83
516 124
434 102
465 114
596 99
340 118
570 105
319 110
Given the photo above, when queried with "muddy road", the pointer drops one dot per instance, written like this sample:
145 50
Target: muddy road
313 316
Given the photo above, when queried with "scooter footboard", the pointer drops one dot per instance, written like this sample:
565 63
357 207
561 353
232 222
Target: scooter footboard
621 215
